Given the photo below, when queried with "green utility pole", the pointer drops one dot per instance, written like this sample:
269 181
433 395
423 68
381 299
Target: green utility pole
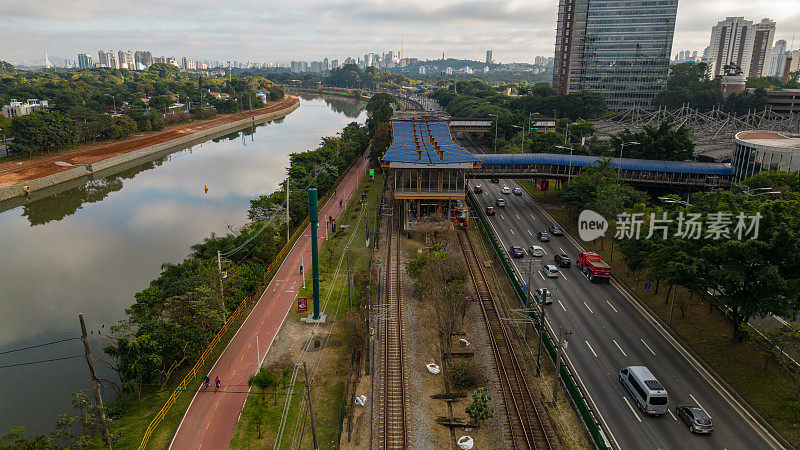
313 218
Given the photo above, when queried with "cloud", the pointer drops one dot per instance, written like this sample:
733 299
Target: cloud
284 30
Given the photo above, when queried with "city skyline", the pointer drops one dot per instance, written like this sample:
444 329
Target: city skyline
514 31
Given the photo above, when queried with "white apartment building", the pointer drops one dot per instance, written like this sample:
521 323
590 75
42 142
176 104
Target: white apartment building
17 108
740 42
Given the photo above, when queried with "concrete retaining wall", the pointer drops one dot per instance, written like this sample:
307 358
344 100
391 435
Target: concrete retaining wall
25 188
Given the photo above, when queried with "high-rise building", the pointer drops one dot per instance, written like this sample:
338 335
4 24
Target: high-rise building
142 60
762 44
84 60
619 48
334 64
777 59
113 60
738 42
489 59
102 58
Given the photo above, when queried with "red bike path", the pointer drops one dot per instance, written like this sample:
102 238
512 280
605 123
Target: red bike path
211 418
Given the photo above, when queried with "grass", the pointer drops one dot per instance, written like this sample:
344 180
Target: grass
743 366
333 366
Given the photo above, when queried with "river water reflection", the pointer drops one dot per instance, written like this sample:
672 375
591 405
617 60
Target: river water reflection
90 248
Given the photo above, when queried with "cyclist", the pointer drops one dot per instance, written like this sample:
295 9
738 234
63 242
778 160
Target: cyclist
217 382
206 381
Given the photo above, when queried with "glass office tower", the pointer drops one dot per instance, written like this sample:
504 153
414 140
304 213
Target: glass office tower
620 48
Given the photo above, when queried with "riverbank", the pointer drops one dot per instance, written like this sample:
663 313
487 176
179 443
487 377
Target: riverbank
20 178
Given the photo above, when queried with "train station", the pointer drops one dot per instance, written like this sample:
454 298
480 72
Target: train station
428 171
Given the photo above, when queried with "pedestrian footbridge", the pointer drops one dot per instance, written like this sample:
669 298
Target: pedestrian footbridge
642 172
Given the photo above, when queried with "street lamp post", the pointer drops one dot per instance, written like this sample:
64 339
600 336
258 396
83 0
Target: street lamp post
258 353
523 137
569 173
560 346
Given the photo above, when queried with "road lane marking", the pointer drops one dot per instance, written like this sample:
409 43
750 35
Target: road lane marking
673 416
563 276
587 307
698 404
518 217
612 306
501 216
209 423
590 348
648 347
242 358
529 232
534 218
540 274
620 348
562 250
632 410
562 306
512 231
249 345
216 404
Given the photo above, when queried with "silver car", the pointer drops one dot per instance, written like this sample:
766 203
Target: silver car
550 271
535 250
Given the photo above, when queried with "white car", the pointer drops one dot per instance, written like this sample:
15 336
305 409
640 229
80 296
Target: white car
535 250
506 190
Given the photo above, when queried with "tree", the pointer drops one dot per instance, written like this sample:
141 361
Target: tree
41 131
256 412
690 83
160 103
665 143
480 409
264 379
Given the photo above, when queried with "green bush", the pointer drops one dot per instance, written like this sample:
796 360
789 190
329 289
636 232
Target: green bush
462 376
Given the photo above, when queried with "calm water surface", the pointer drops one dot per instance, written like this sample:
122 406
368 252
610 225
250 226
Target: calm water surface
90 248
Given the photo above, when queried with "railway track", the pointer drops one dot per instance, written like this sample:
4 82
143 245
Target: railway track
528 428
395 433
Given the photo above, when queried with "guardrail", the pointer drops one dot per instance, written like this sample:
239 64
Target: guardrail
570 381
268 274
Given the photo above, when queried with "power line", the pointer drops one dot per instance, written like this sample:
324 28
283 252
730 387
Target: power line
40 361
39 345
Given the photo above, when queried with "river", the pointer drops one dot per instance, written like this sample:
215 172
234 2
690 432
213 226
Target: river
90 248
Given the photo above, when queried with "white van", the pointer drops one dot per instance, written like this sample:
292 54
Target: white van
645 389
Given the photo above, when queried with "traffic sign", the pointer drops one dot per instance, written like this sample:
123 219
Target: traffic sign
647 285
372 172
524 288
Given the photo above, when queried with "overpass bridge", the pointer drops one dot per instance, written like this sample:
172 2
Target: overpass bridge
479 125
641 172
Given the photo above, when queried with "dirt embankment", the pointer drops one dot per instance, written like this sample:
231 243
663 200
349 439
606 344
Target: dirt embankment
14 172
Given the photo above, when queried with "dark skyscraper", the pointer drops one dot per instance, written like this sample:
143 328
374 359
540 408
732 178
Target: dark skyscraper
620 48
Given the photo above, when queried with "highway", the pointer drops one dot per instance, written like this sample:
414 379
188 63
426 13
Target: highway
610 332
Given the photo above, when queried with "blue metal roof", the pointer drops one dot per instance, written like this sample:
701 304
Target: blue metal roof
557 159
411 137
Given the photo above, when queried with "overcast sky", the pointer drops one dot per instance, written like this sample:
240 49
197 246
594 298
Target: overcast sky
284 30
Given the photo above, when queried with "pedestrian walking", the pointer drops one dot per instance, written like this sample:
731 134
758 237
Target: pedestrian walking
301 269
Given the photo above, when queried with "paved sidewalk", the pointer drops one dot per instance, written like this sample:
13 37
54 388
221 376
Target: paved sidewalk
211 418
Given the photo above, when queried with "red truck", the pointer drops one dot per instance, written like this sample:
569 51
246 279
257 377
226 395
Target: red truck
594 267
